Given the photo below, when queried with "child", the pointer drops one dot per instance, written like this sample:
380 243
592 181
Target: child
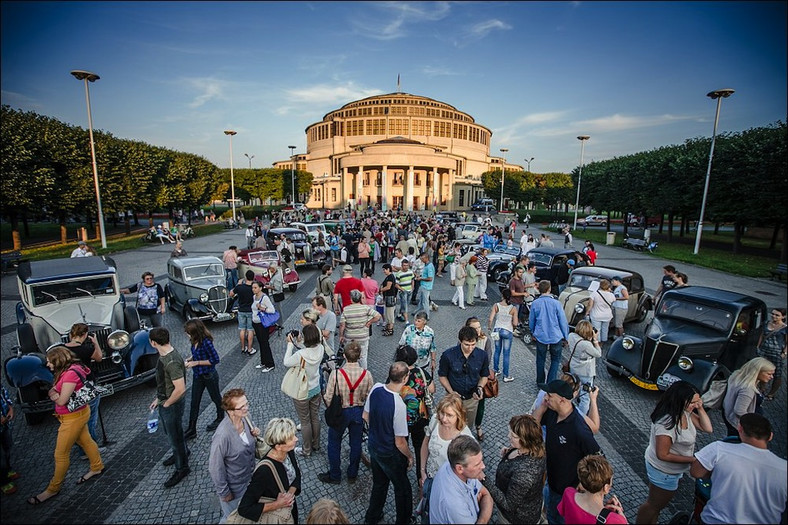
7 476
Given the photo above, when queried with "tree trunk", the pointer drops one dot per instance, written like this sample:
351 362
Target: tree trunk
63 231
784 248
127 222
150 218
775 234
626 225
681 226
136 218
26 225
15 230
716 228
670 226
737 234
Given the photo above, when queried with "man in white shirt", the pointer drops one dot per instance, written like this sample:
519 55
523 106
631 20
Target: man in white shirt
457 494
748 482
396 262
81 250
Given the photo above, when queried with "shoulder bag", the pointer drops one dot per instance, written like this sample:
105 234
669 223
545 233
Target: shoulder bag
278 516
601 518
261 448
333 414
565 366
491 388
87 393
429 400
295 383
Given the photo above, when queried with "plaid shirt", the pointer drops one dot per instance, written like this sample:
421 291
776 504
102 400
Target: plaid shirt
205 352
353 371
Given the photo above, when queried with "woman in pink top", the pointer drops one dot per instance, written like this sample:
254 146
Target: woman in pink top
363 255
586 503
69 375
371 287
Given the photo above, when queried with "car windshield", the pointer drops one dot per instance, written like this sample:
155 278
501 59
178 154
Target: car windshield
62 291
315 228
296 236
581 281
258 257
541 259
715 318
203 270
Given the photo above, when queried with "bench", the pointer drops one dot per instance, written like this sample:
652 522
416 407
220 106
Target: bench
782 269
10 261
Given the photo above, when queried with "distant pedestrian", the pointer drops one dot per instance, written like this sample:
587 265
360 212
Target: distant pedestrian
81 250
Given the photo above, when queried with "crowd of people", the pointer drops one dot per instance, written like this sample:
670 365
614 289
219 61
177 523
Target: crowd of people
552 468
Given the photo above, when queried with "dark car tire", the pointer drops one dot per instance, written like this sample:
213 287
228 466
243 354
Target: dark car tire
131 319
495 274
292 287
27 338
32 393
642 314
528 338
189 313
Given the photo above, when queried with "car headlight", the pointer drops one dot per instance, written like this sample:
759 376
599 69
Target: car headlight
685 363
628 343
287 270
118 340
580 308
203 297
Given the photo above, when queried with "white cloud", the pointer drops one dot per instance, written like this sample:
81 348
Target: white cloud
432 71
482 29
398 16
620 122
515 131
207 89
326 94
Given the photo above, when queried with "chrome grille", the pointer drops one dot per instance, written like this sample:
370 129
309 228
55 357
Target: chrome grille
657 357
217 299
105 369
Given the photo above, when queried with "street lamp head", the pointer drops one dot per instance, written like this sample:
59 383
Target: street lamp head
504 150
720 93
82 75
583 137
230 132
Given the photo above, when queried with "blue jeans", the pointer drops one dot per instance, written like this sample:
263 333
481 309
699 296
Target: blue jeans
171 420
424 302
551 508
404 300
231 277
208 381
351 420
583 401
389 469
504 343
94 414
541 357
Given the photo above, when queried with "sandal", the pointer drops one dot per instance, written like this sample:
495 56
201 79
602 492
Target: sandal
86 478
479 434
9 488
33 500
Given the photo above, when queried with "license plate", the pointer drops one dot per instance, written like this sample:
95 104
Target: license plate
301 261
643 384
224 316
665 380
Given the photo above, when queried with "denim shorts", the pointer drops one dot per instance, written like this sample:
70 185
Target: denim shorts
662 480
245 320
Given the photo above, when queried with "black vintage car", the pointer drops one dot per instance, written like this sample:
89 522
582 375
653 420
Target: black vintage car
698 334
304 254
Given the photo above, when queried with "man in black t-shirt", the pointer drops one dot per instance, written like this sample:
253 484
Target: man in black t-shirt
568 439
245 299
667 282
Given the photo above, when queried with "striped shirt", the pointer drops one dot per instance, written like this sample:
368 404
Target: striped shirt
355 318
482 263
405 280
353 371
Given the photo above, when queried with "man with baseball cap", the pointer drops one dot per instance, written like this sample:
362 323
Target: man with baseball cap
343 287
568 439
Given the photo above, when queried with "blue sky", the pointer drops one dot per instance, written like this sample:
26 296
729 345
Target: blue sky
632 75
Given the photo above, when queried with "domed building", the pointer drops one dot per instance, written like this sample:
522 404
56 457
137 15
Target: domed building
396 151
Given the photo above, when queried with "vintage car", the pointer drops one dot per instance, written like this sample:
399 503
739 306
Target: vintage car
575 296
547 261
304 254
55 295
260 260
698 334
500 257
468 230
313 229
198 290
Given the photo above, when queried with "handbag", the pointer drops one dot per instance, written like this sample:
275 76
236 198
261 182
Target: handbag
261 448
565 365
278 516
279 297
333 414
429 400
491 388
295 383
391 300
89 391
267 319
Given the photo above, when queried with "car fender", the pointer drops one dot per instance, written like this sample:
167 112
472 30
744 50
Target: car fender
21 317
626 361
23 370
140 346
700 376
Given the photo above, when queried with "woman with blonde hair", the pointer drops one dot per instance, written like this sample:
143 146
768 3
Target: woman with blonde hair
280 484
744 391
584 348
517 485
326 511
448 422
69 376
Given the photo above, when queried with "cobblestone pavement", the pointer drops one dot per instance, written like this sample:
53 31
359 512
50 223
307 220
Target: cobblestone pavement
131 490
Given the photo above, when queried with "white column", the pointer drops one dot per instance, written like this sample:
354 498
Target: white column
343 185
384 205
359 186
409 204
436 198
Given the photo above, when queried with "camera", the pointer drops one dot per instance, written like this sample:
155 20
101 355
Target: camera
294 333
588 387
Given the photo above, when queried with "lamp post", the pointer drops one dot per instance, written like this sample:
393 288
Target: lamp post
718 95
230 133
528 161
503 174
292 175
87 76
250 157
582 139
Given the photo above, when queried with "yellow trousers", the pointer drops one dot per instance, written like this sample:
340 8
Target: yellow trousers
73 429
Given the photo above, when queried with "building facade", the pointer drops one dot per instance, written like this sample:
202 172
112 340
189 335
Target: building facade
396 151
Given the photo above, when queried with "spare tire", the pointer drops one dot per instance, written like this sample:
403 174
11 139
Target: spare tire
26 338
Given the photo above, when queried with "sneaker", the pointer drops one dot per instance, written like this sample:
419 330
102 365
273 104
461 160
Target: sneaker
325 477
259 366
497 373
462 308
243 350
176 477
251 351
13 475
508 379
300 452
268 368
298 427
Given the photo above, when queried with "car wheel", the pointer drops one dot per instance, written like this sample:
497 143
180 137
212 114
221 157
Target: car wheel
132 319
528 338
613 372
496 273
293 287
30 394
642 314
26 338
147 362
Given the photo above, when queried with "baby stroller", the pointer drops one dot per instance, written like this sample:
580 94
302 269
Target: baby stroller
522 330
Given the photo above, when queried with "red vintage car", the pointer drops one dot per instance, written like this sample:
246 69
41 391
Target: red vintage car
259 261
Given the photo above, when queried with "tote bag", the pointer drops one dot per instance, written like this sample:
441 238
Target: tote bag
283 515
295 383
